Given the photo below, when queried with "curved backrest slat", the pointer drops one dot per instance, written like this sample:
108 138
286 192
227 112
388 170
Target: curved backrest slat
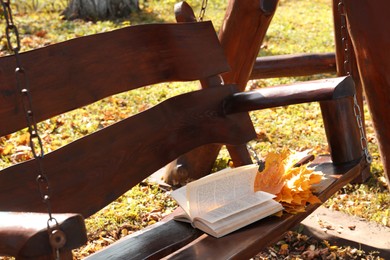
91 172
78 72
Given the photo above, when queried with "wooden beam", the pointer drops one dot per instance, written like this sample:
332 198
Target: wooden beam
370 41
241 48
199 162
293 65
242 33
310 91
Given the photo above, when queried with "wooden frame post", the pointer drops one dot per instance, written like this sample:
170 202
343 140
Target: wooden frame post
255 16
243 30
370 40
340 123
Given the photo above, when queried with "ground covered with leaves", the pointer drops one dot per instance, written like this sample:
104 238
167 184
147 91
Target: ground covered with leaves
299 26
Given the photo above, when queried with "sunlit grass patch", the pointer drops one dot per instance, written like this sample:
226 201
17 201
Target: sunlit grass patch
299 26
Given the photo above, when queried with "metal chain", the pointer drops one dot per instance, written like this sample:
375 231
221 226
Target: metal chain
347 69
260 163
57 237
202 10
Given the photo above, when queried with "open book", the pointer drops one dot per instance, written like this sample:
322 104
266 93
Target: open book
225 201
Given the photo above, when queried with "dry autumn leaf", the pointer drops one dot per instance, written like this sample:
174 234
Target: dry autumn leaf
8 149
271 178
291 185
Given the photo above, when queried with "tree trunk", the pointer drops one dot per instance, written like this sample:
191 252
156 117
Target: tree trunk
100 9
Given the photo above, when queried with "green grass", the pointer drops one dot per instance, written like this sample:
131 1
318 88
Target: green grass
299 26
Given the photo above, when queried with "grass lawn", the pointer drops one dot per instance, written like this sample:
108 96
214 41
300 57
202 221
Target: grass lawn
299 26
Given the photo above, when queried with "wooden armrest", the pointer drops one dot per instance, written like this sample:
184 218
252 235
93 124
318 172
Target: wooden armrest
25 234
311 91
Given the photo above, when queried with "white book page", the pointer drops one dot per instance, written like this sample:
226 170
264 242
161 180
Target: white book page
236 206
180 196
220 188
238 220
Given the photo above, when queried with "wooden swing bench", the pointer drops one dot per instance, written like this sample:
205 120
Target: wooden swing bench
88 174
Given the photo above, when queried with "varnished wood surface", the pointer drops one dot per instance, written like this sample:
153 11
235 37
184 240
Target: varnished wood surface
159 240
303 92
246 242
241 35
371 40
242 244
199 162
74 73
342 131
22 233
91 172
341 55
293 65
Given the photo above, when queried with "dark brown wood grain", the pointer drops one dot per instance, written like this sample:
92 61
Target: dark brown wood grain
199 162
371 41
293 65
342 55
158 241
341 130
241 35
241 47
242 244
246 242
91 172
28 230
184 13
72 74
309 91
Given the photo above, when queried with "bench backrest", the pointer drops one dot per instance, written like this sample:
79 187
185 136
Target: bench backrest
93 171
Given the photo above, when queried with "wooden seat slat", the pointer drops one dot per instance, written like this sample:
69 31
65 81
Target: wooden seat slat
81 71
246 242
242 244
155 242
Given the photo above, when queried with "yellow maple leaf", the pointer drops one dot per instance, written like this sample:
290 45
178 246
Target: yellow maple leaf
271 178
290 184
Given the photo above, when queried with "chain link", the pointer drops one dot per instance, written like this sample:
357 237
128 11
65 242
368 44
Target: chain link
260 163
347 68
202 10
36 145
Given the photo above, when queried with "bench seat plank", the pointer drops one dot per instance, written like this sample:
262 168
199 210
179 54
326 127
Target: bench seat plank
160 239
248 241
242 244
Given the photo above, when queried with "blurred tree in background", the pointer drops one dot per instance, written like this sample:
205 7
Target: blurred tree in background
100 9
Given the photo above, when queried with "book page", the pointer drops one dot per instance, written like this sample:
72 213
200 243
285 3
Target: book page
241 219
240 204
220 188
180 196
